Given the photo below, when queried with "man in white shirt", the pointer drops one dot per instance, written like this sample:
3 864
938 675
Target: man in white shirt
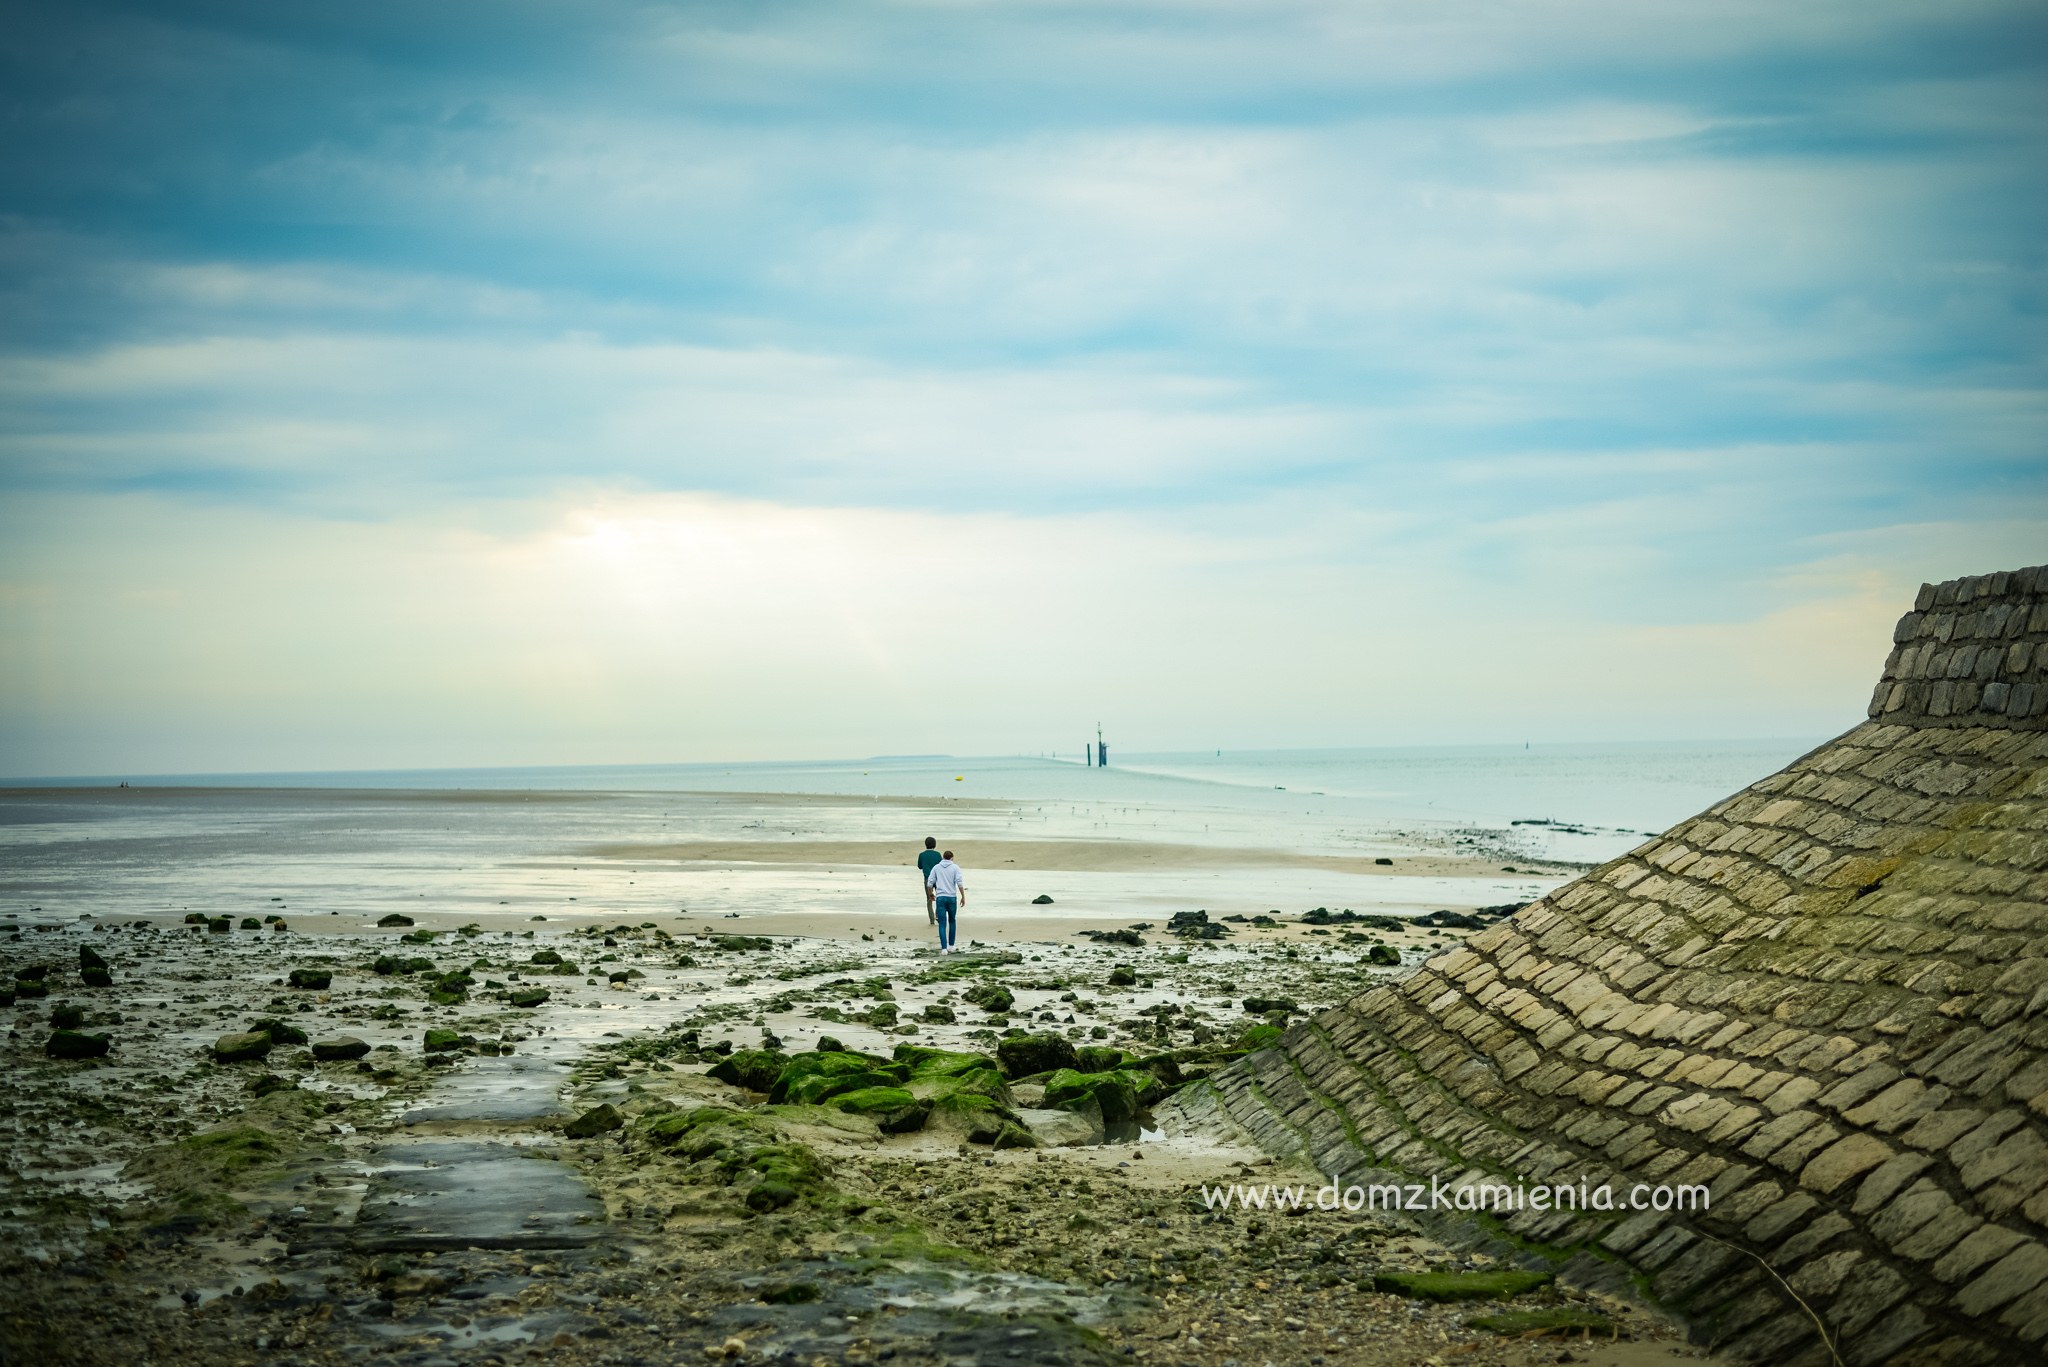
948 890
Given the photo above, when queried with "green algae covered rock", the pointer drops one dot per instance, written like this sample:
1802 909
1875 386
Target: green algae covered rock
528 997
311 979
895 1110
1385 955
1499 1285
1099 1058
990 997
1029 1055
1553 1319
811 1078
1260 1037
754 1069
440 1041
1115 1093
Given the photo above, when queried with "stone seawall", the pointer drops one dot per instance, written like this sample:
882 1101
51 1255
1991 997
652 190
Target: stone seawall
1825 1000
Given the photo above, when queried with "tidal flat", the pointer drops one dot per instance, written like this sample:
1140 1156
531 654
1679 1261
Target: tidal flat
629 1143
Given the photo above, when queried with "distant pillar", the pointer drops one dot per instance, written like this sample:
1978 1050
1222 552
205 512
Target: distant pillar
1102 753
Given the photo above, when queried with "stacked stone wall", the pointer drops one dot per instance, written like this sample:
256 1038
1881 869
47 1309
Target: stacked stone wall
1825 1000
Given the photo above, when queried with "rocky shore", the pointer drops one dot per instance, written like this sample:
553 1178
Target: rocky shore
231 1142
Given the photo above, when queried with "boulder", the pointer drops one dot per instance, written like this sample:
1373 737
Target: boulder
938 1013
1123 975
595 1121
1097 1058
242 1046
447 1041
1042 900
95 977
340 1048
1385 955
528 997
31 987
65 1016
312 979
251 923
1028 1055
88 957
72 1044
395 919
1063 1129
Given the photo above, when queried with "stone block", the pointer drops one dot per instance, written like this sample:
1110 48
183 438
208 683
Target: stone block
2017 1273
1844 1161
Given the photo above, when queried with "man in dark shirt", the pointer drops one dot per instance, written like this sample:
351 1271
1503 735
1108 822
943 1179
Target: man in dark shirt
927 857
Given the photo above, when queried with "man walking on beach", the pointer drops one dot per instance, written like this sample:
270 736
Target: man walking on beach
948 892
926 858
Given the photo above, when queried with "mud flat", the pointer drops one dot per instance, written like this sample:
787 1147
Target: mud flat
630 1143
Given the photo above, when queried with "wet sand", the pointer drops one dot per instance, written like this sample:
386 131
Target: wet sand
1070 856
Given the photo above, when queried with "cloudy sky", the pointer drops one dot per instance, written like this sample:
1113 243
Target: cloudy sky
492 383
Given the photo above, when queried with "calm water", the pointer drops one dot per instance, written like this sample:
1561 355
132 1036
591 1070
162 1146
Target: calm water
517 840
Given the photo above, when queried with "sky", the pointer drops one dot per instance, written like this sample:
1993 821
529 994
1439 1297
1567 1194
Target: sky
387 385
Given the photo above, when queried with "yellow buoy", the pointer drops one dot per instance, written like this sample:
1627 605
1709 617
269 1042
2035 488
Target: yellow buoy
959 778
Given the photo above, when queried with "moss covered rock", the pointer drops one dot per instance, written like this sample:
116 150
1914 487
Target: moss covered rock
528 997
311 979
446 1041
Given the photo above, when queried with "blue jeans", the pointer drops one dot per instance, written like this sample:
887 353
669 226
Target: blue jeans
948 909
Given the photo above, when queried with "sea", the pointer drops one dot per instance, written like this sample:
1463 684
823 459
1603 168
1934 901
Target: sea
503 843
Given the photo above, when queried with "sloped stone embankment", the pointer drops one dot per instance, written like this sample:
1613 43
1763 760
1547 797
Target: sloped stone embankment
1825 1000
